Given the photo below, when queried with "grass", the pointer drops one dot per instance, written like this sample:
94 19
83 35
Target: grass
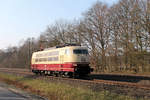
59 91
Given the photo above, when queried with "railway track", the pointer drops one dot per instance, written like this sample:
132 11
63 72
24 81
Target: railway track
126 88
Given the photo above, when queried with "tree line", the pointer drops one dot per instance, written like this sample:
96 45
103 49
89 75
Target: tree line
117 36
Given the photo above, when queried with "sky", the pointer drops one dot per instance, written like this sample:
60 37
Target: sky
22 19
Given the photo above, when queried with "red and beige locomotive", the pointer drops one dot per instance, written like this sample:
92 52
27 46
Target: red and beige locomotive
66 60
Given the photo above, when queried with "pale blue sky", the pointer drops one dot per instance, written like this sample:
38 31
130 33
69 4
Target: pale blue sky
20 19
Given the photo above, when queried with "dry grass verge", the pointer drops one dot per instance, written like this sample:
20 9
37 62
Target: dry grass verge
59 91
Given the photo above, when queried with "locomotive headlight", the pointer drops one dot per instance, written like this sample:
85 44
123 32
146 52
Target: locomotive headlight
74 64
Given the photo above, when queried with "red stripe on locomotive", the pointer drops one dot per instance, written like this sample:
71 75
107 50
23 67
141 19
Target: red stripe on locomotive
54 67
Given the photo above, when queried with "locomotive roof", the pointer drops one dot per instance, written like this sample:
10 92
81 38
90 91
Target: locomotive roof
62 46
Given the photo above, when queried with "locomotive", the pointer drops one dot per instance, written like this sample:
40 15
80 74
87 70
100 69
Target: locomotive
66 60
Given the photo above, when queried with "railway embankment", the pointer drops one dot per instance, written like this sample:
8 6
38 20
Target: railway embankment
97 90
132 78
58 90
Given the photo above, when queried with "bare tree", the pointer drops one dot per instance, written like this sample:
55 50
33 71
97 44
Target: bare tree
96 32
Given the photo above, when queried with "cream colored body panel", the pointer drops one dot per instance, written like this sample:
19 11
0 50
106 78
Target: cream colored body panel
59 56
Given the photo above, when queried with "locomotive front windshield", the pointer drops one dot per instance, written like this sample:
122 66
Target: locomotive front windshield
80 51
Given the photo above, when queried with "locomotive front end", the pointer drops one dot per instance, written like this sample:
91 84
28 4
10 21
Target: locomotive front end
80 60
